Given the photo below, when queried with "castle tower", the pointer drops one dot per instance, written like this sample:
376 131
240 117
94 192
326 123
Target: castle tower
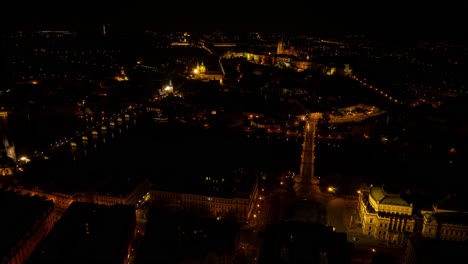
280 47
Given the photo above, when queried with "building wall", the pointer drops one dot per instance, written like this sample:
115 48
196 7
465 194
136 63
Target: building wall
389 223
432 228
393 222
62 200
218 206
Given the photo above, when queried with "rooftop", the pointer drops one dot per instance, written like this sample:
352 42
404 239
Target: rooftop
382 197
14 223
185 238
298 242
453 202
452 218
87 233
438 251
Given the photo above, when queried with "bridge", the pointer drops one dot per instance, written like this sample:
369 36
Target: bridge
306 183
97 130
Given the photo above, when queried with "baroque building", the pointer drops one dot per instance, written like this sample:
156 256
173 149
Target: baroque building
384 215
391 218
447 219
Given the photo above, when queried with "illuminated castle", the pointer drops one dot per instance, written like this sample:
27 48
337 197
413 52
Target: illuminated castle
285 49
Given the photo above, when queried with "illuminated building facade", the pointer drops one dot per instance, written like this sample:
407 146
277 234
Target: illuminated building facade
446 220
385 216
200 72
389 217
242 207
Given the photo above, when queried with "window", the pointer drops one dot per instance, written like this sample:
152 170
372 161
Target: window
370 221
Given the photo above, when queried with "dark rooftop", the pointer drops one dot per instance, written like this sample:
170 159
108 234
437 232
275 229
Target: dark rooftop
88 233
453 202
181 237
429 250
299 242
14 223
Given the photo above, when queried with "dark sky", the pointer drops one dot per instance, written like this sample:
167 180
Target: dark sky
403 17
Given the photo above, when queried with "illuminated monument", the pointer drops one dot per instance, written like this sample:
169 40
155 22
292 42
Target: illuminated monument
306 184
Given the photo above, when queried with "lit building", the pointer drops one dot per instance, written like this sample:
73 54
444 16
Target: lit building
391 218
136 196
26 220
241 206
385 216
446 220
168 89
284 48
200 72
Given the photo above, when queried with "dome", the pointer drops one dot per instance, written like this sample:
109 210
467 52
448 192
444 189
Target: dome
7 162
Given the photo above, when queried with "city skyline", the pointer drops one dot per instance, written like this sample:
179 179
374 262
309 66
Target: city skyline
397 19
281 135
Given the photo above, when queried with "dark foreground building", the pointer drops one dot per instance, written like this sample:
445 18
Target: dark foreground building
25 221
428 250
300 242
89 233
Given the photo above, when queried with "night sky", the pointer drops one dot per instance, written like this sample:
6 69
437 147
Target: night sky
382 17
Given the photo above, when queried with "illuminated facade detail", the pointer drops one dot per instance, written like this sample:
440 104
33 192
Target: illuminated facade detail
385 216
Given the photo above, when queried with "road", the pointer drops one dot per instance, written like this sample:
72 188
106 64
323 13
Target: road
335 214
